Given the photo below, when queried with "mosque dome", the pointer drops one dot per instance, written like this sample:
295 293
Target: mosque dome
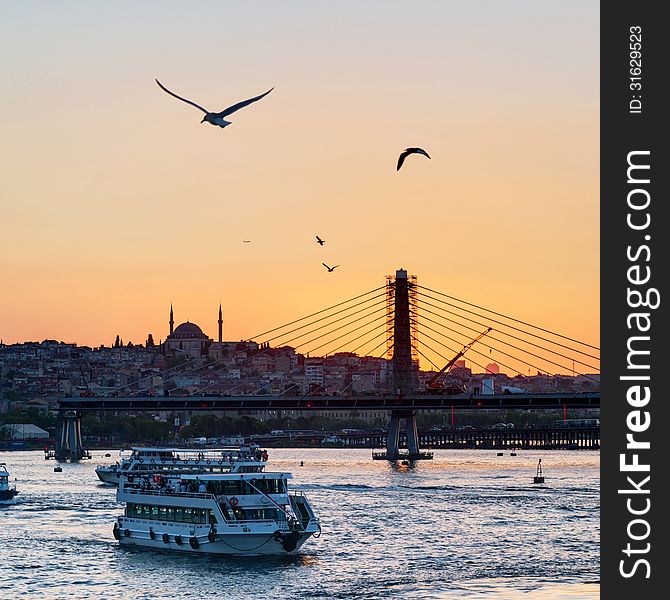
188 331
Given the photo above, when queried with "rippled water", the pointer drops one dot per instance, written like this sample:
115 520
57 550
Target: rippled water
468 524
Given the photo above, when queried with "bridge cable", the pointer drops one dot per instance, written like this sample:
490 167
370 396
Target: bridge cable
503 324
511 346
266 350
318 312
507 317
425 310
375 310
499 362
321 319
349 333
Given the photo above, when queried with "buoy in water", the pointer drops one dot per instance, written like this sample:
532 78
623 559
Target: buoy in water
58 469
539 478
512 453
302 463
499 454
107 455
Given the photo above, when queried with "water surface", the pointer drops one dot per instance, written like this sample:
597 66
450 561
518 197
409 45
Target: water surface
468 524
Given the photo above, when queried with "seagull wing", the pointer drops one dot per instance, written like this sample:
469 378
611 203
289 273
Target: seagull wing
401 159
235 107
421 151
325 265
161 86
319 240
335 267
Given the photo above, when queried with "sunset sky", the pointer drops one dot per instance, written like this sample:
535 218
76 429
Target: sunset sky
116 201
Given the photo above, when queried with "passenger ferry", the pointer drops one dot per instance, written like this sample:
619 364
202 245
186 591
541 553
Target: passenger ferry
7 492
245 459
221 513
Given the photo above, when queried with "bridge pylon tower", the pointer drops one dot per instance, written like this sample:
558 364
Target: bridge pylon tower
404 380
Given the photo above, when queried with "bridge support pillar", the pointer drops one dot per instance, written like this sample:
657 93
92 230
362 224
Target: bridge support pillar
393 438
393 452
68 437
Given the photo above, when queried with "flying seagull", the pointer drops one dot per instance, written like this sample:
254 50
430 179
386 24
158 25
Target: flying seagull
320 241
330 269
407 152
246 241
216 118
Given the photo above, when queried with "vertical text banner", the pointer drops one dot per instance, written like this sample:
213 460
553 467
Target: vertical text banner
635 51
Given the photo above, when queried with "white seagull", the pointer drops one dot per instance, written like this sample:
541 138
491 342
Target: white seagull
216 118
407 152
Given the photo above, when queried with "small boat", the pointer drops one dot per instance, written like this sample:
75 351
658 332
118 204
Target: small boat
499 454
245 459
58 469
7 492
219 513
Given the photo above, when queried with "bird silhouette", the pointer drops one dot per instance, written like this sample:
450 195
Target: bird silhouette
320 241
246 241
216 118
407 152
330 269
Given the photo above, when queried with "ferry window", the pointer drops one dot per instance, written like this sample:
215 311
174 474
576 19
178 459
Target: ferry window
230 488
169 514
212 518
162 513
179 514
271 486
154 512
188 518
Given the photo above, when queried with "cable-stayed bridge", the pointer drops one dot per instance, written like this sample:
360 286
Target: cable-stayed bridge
389 331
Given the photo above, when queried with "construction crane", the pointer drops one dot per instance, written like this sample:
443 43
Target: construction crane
88 393
435 382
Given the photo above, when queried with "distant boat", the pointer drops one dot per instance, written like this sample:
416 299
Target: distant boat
243 459
7 492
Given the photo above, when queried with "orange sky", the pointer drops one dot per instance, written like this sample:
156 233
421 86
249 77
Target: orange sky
116 201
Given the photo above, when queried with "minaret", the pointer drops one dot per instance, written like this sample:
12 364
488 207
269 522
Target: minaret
171 320
220 324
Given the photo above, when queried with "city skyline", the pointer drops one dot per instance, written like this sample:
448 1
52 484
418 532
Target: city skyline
117 202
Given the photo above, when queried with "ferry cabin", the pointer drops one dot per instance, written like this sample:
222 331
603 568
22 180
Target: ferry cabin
218 513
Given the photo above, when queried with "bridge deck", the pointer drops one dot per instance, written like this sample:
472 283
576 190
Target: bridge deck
381 402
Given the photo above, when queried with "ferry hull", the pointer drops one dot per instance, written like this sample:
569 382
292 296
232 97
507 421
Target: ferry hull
108 477
232 545
8 497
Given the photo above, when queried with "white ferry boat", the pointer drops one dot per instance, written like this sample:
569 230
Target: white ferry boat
229 513
245 459
7 492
